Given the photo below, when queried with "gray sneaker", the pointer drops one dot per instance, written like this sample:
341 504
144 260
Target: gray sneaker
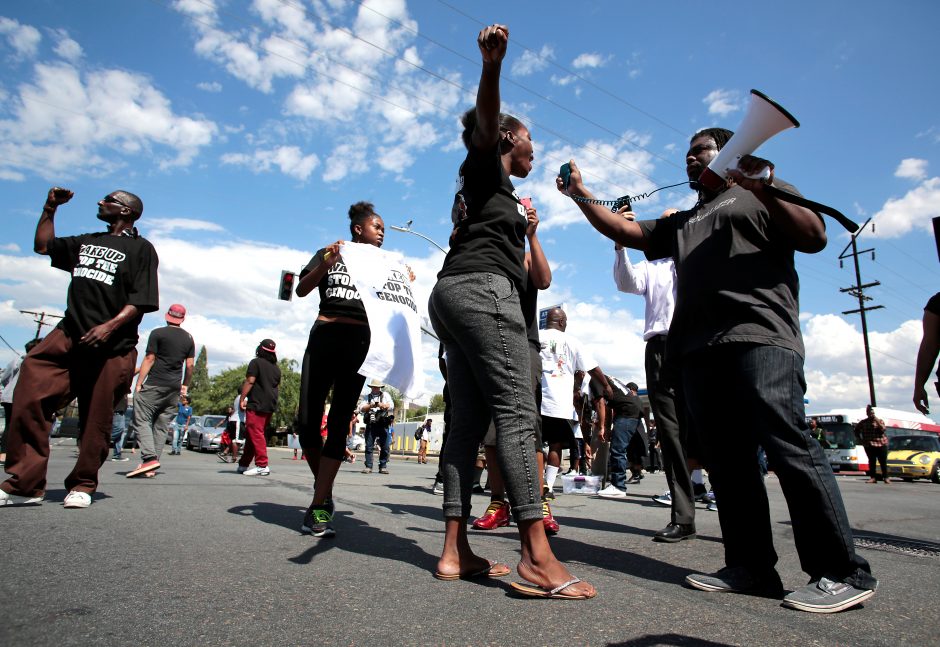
737 579
826 596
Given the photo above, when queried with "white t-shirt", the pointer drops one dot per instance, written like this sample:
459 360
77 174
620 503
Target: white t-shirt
561 355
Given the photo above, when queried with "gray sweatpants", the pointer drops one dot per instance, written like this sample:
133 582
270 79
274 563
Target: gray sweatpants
154 409
479 320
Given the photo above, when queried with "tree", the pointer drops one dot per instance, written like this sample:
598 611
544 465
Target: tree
200 385
437 403
288 396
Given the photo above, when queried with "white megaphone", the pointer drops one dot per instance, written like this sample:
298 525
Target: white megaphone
764 119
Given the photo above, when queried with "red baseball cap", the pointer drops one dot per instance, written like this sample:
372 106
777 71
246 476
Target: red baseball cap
176 313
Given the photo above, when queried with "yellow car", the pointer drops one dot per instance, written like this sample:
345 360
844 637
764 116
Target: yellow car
914 457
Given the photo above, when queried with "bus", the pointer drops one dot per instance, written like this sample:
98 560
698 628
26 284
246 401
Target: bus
839 428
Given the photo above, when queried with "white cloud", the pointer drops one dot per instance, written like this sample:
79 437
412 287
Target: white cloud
531 62
836 375
912 169
65 47
914 210
289 160
10 247
24 39
210 86
66 122
610 169
347 159
722 102
590 60
562 81
166 226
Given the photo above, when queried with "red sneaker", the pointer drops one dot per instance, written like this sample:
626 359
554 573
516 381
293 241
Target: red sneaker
496 516
551 526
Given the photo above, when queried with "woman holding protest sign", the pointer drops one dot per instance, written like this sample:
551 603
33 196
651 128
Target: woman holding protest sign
338 344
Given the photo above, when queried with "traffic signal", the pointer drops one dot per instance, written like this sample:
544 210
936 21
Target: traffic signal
286 290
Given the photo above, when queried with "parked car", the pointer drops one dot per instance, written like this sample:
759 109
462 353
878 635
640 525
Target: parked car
205 433
356 442
914 457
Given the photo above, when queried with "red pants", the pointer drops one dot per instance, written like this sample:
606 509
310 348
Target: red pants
52 374
255 445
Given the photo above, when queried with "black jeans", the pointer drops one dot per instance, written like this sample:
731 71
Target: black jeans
877 456
765 384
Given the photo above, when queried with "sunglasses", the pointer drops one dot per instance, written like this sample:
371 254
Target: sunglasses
112 200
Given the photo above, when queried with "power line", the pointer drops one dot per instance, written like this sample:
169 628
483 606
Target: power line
443 110
522 86
578 76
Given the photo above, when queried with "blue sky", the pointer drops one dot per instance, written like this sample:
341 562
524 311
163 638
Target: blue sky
249 127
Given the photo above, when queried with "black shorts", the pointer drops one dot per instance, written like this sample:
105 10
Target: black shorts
557 431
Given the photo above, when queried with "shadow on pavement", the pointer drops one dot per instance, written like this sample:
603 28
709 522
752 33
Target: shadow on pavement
652 640
357 536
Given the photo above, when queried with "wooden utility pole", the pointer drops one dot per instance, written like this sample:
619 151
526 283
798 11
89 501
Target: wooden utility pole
858 291
40 319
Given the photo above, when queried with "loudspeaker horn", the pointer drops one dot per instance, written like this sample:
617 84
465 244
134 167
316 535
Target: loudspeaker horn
764 119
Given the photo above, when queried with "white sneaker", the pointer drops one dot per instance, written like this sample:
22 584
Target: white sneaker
16 499
76 499
611 492
257 471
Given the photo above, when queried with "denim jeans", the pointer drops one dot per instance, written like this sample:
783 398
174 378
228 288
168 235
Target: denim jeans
623 430
765 385
118 431
376 433
178 431
479 320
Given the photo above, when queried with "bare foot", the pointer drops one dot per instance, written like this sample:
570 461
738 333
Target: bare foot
461 566
552 574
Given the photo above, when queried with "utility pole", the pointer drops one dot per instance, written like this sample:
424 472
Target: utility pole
40 319
858 291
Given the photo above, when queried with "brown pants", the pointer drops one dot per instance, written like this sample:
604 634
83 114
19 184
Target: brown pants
52 374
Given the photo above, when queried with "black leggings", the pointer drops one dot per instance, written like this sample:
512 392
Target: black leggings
335 351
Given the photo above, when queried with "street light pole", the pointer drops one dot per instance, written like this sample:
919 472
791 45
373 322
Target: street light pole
408 230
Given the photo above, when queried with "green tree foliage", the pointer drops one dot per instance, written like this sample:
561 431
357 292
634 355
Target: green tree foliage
223 387
289 395
437 403
200 385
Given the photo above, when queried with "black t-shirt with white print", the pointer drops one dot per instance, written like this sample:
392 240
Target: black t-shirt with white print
489 219
735 275
108 273
338 296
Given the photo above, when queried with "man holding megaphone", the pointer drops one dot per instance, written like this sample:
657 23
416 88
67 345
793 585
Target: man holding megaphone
736 325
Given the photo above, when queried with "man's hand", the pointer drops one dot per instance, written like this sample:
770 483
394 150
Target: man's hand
750 165
58 195
97 335
492 42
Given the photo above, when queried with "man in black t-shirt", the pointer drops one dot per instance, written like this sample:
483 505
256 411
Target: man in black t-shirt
91 354
259 400
736 326
159 389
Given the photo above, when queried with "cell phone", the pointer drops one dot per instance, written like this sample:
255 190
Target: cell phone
565 173
526 202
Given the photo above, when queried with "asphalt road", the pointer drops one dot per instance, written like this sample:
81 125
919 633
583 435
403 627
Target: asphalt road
203 556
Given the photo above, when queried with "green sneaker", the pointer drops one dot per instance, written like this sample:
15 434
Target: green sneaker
318 521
